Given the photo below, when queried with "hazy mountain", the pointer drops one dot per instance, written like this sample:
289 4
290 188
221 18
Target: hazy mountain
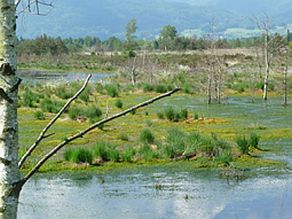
104 18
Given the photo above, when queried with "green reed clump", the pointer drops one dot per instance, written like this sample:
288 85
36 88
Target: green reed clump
78 155
93 113
254 140
112 90
106 151
74 112
119 104
148 87
85 95
243 144
64 91
51 106
147 153
128 154
146 136
30 98
39 115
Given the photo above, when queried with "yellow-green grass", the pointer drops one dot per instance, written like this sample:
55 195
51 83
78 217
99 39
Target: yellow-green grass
226 127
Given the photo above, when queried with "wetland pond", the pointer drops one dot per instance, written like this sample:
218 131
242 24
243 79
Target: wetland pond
32 76
176 191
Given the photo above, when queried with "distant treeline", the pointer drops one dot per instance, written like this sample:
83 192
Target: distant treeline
56 46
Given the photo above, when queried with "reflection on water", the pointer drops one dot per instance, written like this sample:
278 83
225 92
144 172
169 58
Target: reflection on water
198 194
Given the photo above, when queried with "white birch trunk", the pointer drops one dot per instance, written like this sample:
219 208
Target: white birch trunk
267 65
9 172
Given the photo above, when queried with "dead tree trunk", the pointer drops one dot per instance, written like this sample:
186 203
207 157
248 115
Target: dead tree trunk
267 65
9 172
134 72
285 86
209 85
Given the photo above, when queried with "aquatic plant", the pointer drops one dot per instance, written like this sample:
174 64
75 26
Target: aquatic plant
243 144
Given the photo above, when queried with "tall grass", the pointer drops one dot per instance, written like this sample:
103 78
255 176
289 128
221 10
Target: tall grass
112 90
146 136
30 98
243 144
79 155
106 151
51 106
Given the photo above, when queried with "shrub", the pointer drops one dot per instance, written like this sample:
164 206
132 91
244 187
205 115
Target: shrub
196 116
146 136
112 90
119 104
39 115
242 144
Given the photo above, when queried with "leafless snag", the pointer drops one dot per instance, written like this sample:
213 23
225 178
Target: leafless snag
274 45
33 6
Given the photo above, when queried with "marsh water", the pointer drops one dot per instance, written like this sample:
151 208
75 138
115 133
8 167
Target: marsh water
177 191
32 76
156 193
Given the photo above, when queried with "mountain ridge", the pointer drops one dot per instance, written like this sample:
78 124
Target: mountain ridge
72 18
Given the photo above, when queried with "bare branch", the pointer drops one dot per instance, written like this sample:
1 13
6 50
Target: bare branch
43 133
95 125
17 2
28 6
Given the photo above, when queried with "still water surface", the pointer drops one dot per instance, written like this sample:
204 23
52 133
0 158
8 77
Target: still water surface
134 194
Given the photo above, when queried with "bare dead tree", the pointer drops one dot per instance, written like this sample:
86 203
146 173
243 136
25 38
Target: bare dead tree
215 68
273 45
134 72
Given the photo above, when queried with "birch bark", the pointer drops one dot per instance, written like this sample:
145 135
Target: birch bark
9 172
